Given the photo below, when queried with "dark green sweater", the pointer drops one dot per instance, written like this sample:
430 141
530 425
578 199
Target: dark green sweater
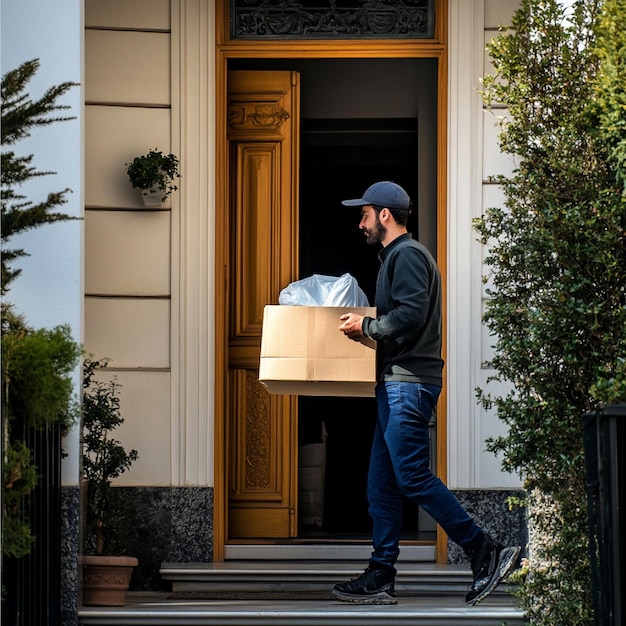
408 302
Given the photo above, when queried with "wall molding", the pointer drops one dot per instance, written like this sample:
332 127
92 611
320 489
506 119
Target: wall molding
193 246
466 23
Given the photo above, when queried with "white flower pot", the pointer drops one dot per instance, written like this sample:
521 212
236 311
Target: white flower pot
152 199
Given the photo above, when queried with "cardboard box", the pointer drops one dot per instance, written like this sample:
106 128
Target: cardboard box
303 352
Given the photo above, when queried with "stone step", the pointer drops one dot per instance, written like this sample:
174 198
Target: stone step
297 593
150 609
421 578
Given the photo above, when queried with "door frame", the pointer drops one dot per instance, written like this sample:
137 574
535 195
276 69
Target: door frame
225 49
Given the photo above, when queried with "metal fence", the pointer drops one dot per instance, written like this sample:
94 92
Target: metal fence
32 584
604 435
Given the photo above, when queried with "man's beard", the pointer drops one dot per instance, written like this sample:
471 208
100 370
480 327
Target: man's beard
376 235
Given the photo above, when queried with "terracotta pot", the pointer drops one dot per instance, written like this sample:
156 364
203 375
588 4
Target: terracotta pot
106 579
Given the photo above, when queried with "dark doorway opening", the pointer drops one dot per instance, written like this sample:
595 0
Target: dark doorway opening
340 158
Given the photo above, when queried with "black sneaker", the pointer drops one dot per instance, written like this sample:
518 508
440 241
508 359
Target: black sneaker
373 586
490 565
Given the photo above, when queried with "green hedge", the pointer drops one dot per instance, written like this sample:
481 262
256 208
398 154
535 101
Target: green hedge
557 272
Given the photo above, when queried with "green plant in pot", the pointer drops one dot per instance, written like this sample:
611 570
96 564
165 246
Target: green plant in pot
106 576
155 174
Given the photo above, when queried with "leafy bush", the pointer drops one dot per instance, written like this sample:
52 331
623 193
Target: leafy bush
557 269
36 392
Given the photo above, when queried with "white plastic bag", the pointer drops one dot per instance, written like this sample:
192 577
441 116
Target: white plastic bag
319 290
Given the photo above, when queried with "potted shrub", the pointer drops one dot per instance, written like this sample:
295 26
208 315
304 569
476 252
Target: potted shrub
106 576
155 174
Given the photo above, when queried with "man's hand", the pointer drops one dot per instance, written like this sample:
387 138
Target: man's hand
352 326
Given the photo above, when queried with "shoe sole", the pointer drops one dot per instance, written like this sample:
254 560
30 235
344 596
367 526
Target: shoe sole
376 598
506 561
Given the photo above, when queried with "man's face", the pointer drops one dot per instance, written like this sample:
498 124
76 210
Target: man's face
370 225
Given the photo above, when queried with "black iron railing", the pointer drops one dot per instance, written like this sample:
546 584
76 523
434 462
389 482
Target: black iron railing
32 583
604 434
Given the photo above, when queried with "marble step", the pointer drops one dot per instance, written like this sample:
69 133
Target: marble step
421 578
150 609
297 593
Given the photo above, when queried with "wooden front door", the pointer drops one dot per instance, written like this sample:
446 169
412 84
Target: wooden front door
261 430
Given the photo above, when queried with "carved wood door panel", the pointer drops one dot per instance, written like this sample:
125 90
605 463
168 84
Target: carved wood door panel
263 132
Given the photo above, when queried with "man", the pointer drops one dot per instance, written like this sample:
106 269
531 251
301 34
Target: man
407 330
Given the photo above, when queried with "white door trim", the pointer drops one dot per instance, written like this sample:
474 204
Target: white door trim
193 244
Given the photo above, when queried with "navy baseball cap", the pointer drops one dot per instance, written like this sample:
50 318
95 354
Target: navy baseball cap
384 194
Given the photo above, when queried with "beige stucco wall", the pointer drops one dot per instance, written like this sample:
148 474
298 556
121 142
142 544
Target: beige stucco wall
127 247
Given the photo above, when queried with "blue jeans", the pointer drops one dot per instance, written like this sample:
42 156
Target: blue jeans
400 464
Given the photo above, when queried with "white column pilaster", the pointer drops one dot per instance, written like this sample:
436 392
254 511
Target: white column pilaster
193 129
466 24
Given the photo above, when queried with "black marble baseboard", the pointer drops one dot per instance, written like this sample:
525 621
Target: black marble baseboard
490 509
171 525
70 531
